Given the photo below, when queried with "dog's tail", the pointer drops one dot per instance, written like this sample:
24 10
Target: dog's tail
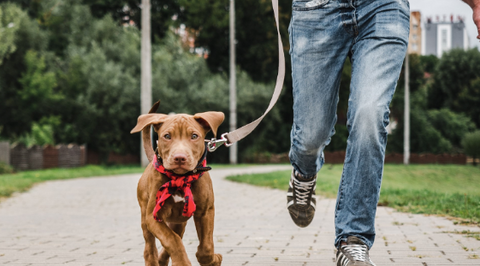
143 124
146 136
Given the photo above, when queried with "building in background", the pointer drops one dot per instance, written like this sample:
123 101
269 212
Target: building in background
444 34
415 38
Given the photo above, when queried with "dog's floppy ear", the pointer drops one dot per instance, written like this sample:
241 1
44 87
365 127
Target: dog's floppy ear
143 123
210 120
148 119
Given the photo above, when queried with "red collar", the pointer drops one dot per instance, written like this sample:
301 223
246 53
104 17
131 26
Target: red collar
178 182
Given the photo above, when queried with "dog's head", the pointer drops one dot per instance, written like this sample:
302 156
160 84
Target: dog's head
180 137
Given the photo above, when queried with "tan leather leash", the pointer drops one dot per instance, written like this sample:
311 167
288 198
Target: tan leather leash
229 138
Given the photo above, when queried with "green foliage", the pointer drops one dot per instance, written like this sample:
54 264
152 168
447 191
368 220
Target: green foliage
452 126
79 62
255 35
126 11
416 88
471 144
424 137
42 132
456 83
16 115
102 84
37 84
5 169
10 17
429 63
432 130
184 84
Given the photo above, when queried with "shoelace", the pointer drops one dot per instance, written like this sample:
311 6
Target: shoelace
303 190
358 252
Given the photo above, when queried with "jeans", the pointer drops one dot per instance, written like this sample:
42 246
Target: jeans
374 35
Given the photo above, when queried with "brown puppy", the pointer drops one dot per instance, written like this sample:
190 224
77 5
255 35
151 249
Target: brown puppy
180 147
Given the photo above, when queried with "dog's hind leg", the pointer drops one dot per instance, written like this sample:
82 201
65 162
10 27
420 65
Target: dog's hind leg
205 253
164 256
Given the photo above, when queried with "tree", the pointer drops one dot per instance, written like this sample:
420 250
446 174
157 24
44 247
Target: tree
184 84
27 37
434 131
10 17
255 28
99 77
452 126
429 62
423 138
37 84
455 83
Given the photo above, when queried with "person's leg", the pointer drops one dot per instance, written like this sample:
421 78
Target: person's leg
319 44
321 35
377 57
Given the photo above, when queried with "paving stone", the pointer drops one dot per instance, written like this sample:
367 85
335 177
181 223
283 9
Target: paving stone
96 221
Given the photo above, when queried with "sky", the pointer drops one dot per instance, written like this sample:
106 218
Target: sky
432 8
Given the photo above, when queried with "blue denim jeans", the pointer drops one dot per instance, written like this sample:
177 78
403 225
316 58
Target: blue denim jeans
374 35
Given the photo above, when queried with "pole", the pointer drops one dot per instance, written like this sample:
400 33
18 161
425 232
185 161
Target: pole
146 70
406 132
233 96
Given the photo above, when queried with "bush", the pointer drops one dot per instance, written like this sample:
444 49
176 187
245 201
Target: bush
471 145
5 168
451 125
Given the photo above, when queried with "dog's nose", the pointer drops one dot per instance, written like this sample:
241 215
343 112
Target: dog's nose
180 158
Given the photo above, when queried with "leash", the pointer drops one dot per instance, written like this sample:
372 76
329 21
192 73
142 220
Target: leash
228 139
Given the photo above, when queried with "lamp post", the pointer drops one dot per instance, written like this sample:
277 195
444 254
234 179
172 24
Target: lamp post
233 80
146 71
406 126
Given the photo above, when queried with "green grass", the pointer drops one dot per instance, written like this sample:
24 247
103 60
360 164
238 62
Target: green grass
22 181
449 190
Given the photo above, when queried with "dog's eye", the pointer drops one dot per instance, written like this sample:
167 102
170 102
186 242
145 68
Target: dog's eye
194 136
167 136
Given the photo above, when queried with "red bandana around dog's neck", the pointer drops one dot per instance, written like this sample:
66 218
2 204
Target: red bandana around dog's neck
178 182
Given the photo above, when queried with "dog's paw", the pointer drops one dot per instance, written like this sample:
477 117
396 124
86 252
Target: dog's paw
217 261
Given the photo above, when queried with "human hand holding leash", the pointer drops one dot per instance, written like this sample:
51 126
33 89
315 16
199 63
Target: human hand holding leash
475 5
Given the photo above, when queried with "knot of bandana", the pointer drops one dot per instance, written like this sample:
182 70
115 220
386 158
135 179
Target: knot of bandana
178 183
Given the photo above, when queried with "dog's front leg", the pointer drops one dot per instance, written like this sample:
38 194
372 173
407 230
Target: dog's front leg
205 253
179 229
171 241
150 253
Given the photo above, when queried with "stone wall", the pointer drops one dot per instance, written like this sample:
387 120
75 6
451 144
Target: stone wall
37 157
5 152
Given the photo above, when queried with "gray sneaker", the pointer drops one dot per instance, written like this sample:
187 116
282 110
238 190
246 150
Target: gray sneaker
300 199
354 253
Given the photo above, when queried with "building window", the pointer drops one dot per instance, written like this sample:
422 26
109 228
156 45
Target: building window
444 40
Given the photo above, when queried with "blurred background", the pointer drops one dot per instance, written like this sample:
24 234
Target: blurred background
70 74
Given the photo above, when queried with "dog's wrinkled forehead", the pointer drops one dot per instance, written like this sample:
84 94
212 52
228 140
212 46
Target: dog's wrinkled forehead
180 123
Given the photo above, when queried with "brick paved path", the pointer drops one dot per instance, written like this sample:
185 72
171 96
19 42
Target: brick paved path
95 221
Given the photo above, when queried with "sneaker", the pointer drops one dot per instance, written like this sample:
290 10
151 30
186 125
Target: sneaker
300 199
354 253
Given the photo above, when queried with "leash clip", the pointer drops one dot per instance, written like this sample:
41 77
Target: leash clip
214 143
